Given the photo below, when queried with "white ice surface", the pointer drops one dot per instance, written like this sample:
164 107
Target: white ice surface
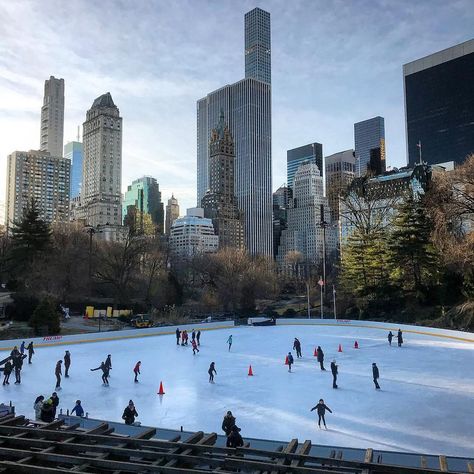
426 403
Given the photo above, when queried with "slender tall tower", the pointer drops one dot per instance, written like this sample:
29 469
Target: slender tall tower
52 117
172 213
102 165
258 60
219 202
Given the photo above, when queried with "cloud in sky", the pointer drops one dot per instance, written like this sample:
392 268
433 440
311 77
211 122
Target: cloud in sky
334 62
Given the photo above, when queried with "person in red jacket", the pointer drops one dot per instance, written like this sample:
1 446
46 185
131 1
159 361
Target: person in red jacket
136 370
195 347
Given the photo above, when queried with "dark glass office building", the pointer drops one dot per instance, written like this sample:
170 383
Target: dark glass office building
258 60
369 146
439 105
312 153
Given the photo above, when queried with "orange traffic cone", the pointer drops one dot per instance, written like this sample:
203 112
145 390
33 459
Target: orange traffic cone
356 345
315 352
161 391
286 360
250 370
340 348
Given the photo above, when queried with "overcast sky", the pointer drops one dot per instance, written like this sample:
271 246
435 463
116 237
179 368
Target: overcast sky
334 62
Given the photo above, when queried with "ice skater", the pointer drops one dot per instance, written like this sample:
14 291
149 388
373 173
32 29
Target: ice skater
78 410
67 363
7 370
290 361
321 407
31 351
400 338
55 400
38 406
212 370
198 337
18 365
334 373
136 370
178 334
108 362
193 335
390 337
320 356
130 413
228 423
58 373
15 352
105 373
375 375
297 347
22 348
195 347
229 341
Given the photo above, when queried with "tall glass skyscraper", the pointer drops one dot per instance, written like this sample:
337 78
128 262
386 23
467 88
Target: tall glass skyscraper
247 108
73 151
258 61
369 140
439 105
312 153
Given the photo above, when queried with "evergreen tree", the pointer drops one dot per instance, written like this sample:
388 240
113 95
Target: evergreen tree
46 315
413 259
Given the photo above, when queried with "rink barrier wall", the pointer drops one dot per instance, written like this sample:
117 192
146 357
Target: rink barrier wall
47 341
356 323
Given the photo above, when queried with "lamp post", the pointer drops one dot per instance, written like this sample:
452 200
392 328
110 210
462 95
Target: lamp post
91 231
334 300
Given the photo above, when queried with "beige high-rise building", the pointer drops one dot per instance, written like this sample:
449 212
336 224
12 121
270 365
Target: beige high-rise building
102 166
340 171
172 213
52 117
37 175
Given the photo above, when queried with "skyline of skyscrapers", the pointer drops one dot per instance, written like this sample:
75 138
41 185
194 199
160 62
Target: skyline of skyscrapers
311 153
101 193
52 117
439 105
369 146
74 152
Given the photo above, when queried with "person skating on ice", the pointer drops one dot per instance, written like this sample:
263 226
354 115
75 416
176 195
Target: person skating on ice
334 373
320 357
228 423
67 363
212 370
400 338
321 407
22 348
297 347
18 365
136 370
178 334
105 373
198 337
108 362
130 413
58 373
78 410
290 361
55 400
375 375
15 352
390 337
195 347
38 406
31 351
193 335
229 341
7 370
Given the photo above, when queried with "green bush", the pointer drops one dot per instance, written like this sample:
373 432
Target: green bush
46 317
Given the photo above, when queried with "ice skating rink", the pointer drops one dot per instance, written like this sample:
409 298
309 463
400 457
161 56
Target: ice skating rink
426 401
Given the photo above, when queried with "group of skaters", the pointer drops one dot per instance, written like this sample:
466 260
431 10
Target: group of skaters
15 362
184 336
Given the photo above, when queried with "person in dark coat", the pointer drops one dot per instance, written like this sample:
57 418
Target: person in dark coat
198 337
334 374
58 373
108 362
15 352
130 413
136 370
390 337
320 356
321 407
31 351
290 361
212 370
55 400
400 338
7 370
22 347
178 334
18 365
376 375
193 335
297 347
78 409
47 411
67 363
228 423
105 373
234 440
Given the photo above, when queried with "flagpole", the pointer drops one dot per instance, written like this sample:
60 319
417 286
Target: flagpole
334 300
